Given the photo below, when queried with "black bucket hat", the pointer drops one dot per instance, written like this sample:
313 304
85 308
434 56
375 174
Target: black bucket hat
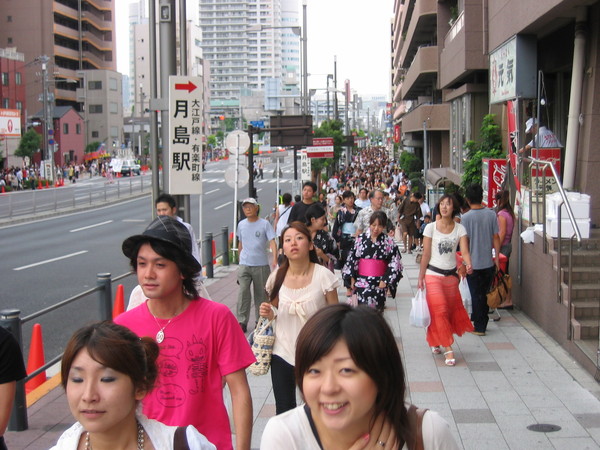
164 229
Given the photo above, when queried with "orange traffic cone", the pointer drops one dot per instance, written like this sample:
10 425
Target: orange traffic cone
47 184
36 359
39 183
3 190
119 306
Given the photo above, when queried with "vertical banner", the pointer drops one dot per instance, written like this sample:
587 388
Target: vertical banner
492 177
513 139
185 135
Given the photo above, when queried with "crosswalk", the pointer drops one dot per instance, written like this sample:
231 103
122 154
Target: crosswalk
218 176
270 181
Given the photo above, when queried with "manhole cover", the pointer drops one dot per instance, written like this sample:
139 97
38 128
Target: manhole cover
543 427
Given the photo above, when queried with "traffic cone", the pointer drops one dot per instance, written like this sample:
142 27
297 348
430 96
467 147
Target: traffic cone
36 359
3 190
47 184
40 183
119 306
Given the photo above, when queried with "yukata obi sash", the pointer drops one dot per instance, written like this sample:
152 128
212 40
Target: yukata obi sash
372 267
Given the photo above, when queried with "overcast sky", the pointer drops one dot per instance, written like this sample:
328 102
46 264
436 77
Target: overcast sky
356 31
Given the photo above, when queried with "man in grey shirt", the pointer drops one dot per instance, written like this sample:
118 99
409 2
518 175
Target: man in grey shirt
482 229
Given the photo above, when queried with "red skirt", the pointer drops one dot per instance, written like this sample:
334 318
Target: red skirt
448 315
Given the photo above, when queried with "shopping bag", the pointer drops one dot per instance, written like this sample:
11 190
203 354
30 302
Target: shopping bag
263 339
465 294
499 289
419 313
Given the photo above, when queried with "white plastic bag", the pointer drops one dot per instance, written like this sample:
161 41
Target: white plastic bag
419 313
528 235
465 293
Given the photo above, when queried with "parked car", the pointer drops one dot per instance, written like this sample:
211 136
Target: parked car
130 167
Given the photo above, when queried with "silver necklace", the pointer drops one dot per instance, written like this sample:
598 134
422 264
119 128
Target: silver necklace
160 336
140 438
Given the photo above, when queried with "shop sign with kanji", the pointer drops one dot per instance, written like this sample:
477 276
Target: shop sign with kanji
185 135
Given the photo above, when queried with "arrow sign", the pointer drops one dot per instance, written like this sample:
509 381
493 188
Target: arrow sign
189 86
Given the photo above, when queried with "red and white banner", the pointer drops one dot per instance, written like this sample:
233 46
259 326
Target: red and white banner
10 122
513 139
321 148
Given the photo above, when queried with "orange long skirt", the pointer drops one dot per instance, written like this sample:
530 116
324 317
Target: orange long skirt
448 315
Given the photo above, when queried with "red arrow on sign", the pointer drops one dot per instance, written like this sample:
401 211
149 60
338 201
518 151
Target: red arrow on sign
185 87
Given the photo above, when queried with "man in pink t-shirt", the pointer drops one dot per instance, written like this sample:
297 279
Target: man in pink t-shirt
201 344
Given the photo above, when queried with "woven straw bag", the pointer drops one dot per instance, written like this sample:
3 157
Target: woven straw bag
262 347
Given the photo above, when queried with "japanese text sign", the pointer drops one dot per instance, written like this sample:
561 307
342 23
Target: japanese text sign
513 69
185 135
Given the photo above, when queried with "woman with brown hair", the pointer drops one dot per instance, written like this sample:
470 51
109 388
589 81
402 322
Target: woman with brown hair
106 371
506 224
299 288
351 376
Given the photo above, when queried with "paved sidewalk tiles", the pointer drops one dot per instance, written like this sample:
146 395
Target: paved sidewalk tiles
513 377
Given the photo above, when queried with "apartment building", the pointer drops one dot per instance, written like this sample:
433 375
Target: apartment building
75 34
453 62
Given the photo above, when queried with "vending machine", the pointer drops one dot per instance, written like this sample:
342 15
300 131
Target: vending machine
492 177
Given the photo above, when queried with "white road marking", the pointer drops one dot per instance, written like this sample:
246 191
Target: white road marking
223 205
70 255
210 192
90 226
133 220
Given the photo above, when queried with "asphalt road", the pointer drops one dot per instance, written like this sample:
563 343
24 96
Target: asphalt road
46 261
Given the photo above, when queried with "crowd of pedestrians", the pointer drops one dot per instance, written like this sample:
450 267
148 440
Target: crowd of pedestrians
340 354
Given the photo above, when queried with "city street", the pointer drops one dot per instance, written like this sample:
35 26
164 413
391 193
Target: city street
49 260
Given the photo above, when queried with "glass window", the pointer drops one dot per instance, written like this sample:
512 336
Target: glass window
4 78
6 103
18 79
114 107
94 134
78 128
112 84
94 85
95 109
19 105
65 128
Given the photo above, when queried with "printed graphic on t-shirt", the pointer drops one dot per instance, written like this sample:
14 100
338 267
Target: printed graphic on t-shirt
446 246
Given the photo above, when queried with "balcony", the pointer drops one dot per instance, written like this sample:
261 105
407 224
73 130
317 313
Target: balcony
463 47
421 76
421 29
437 117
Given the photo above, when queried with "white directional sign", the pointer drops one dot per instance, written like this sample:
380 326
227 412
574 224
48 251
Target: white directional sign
185 135
305 167
237 142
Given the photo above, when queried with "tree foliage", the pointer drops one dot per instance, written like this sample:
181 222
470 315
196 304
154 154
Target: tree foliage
92 147
490 146
30 143
334 129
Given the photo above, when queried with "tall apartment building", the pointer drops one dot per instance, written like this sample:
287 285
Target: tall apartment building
75 34
455 61
247 63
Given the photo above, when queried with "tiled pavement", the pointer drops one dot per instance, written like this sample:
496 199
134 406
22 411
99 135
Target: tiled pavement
514 377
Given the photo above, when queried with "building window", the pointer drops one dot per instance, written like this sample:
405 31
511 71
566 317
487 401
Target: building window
65 128
78 128
9 41
95 109
112 84
94 134
94 85
6 103
18 79
114 108
19 105
4 78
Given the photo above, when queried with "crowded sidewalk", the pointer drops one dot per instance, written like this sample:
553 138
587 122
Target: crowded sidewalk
514 377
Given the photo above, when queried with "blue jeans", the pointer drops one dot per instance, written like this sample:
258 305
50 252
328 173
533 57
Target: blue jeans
479 284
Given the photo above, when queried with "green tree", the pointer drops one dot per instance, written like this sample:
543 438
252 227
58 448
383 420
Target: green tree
329 128
92 147
212 140
489 147
30 143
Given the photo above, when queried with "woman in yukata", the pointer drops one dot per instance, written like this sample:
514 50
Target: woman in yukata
374 265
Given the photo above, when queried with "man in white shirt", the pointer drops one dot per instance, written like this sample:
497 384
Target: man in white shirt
542 138
363 201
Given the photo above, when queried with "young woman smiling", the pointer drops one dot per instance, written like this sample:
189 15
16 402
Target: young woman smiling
299 288
106 371
349 371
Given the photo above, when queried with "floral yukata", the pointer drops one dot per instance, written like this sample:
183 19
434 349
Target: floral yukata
383 263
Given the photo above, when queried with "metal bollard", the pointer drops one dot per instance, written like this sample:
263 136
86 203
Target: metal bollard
225 241
104 295
11 320
207 255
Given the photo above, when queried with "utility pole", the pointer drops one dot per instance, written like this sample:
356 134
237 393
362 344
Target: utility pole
141 122
336 114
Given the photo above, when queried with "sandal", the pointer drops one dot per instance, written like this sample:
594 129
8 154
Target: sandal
436 350
450 361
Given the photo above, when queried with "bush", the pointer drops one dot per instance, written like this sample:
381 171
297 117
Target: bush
490 147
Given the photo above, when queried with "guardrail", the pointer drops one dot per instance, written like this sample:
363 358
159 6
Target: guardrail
19 203
11 318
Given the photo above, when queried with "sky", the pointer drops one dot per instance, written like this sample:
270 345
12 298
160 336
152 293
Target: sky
357 32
